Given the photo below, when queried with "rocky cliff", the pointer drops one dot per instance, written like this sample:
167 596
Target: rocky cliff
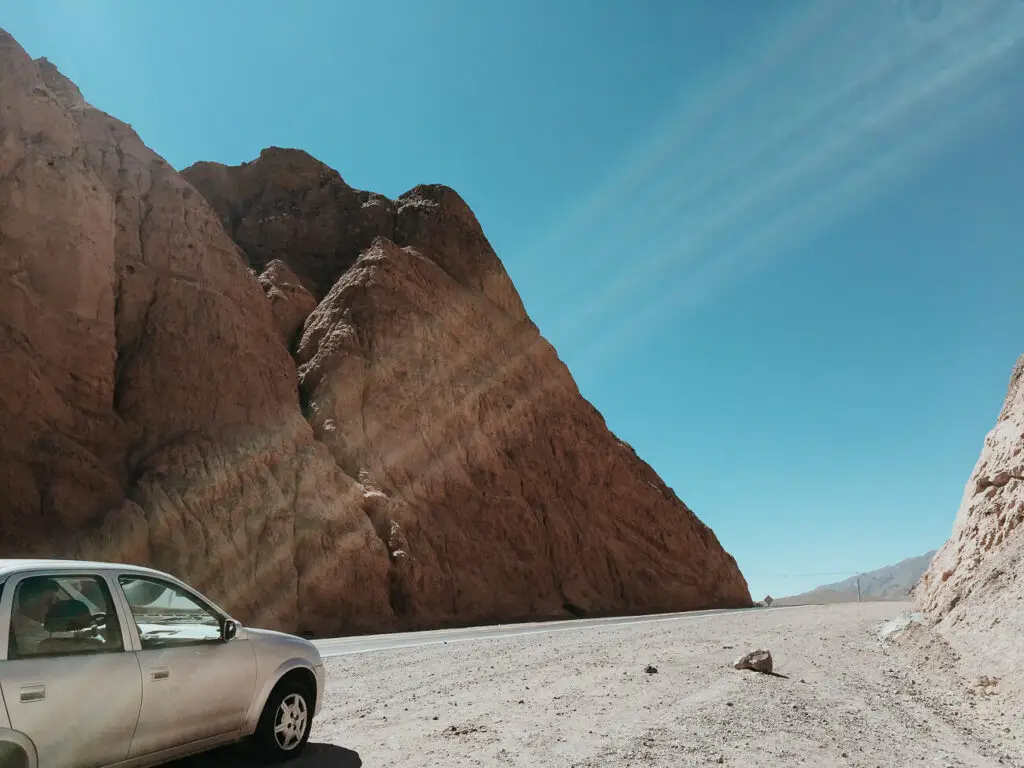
974 587
363 430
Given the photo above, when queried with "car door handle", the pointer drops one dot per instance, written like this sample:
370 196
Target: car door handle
159 673
33 693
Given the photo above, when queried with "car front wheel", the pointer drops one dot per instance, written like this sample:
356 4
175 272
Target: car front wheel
283 729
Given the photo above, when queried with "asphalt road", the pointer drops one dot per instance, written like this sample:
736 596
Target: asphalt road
344 646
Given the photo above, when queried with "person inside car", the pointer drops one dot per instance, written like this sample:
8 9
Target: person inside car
33 601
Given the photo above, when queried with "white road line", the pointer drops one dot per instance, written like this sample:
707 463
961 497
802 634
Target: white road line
369 644
576 623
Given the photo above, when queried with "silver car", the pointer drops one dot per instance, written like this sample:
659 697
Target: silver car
115 665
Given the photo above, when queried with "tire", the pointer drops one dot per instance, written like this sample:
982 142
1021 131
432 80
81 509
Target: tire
12 756
284 725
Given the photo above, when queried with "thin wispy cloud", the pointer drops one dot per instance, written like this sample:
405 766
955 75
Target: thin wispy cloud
638 178
859 109
840 150
755 250
794 172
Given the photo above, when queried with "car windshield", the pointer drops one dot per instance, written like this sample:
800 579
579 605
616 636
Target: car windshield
164 611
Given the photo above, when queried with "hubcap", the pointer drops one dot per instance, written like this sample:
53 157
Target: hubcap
290 722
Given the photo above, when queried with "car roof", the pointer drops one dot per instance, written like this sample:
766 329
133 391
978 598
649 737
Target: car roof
18 565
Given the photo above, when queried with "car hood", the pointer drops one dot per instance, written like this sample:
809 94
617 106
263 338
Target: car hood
283 643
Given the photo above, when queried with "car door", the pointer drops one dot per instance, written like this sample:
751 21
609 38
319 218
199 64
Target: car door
69 682
195 686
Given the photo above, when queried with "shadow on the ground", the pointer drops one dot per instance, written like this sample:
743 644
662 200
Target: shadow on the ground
314 756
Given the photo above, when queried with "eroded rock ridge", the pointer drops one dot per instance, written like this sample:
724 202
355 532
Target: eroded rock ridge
327 409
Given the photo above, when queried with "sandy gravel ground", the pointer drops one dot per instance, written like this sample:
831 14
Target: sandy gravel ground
842 697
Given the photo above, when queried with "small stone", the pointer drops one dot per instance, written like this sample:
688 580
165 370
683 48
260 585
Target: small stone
434 717
759 661
650 669
728 703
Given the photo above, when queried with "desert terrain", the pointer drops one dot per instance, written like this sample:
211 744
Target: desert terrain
840 696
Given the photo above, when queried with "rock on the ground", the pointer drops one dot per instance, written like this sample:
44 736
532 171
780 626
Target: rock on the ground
759 661
428 460
974 587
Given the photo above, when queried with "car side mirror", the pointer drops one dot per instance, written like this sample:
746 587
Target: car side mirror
228 630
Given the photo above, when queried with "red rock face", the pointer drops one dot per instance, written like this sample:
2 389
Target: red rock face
148 397
500 490
62 444
425 458
287 203
290 301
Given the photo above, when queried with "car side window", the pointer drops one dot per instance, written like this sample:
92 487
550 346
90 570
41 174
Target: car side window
62 615
168 616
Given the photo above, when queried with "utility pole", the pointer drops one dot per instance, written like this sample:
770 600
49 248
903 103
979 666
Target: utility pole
858 588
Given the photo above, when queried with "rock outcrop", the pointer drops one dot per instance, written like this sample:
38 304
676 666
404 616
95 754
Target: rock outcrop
148 401
974 587
422 457
421 372
290 205
290 301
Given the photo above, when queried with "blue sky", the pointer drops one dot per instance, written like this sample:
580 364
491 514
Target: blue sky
778 244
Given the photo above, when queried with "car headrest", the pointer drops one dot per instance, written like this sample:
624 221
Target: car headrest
68 616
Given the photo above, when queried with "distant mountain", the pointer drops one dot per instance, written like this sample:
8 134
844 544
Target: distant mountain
893 582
